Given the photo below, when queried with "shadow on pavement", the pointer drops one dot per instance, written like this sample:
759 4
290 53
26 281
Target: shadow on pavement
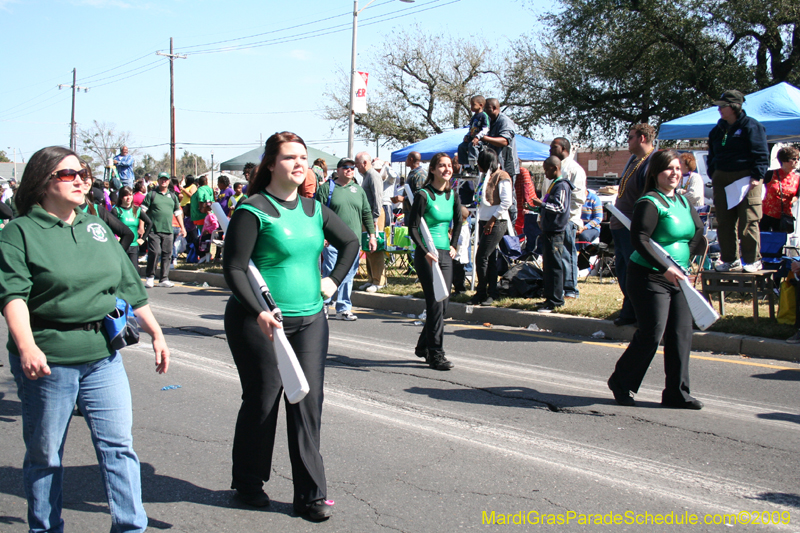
514 397
785 417
782 375
355 363
781 498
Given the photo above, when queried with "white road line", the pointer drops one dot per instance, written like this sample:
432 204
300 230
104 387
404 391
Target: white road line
518 371
691 487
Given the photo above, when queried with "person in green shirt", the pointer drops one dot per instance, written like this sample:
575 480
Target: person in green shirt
439 206
61 273
135 219
160 205
348 200
667 218
201 201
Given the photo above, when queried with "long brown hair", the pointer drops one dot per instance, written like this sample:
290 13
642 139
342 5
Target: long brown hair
433 164
261 179
658 163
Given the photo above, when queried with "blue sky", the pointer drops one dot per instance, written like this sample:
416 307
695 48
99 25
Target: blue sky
232 97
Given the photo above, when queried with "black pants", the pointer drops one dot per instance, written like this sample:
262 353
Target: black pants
262 389
133 254
431 339
459 276
486 259
553 262
661 311
159 244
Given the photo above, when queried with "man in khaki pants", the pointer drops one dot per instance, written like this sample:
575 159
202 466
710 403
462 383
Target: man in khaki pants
372 184
737 148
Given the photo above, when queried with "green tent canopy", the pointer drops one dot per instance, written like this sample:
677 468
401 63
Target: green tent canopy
254 156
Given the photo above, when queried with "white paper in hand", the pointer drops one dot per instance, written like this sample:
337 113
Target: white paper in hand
294 380
440 288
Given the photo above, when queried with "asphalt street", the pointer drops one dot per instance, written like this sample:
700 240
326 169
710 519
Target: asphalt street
523 426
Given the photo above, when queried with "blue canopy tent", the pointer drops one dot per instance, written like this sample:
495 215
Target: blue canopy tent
447 142
776 107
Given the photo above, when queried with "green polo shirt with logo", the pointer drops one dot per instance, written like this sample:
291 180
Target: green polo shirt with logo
160 206
70 274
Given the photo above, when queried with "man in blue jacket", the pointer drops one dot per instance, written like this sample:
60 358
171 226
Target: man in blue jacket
737 148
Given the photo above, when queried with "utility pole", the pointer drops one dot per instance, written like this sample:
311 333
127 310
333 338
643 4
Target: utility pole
171 57
73 145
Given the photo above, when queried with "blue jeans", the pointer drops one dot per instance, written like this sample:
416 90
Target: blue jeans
570 261
103 394
623 249
329 255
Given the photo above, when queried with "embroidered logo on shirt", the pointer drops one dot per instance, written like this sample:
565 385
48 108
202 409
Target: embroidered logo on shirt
353 189
738 133
97 231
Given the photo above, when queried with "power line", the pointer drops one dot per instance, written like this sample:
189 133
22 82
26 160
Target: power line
311 23
247 113
127 77
89 78
324 31
157 61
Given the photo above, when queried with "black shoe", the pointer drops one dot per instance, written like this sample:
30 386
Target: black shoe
692 403
619 322
253 499
476 300
622 396
439 362
422 355
318 510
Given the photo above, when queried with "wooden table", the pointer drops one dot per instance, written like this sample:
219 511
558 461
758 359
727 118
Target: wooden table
756 283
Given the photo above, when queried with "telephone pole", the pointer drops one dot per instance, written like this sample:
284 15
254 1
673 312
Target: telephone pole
73 145
172 57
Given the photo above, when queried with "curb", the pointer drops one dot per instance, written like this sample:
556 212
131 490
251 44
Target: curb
702 341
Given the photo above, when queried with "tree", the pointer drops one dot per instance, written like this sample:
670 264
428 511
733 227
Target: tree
420 85
4 157
183 166
611 63
101 142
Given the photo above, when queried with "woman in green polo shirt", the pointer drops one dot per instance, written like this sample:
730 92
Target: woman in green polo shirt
661 309
61 271
135 219
440 206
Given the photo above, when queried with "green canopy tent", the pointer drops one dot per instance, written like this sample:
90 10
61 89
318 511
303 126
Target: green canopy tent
254 156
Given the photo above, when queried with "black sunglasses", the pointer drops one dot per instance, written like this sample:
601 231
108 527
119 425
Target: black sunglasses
68 174
348 167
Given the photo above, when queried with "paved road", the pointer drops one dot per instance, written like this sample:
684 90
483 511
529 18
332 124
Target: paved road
523 424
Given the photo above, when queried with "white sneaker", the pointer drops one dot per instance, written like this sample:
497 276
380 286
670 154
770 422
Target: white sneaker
166 283
372 288
149 283
752 267
346 315
365 286
722 266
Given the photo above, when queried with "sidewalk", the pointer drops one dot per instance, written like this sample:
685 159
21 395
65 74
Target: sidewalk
726 343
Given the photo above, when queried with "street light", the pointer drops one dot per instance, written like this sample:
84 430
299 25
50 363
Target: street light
352 117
